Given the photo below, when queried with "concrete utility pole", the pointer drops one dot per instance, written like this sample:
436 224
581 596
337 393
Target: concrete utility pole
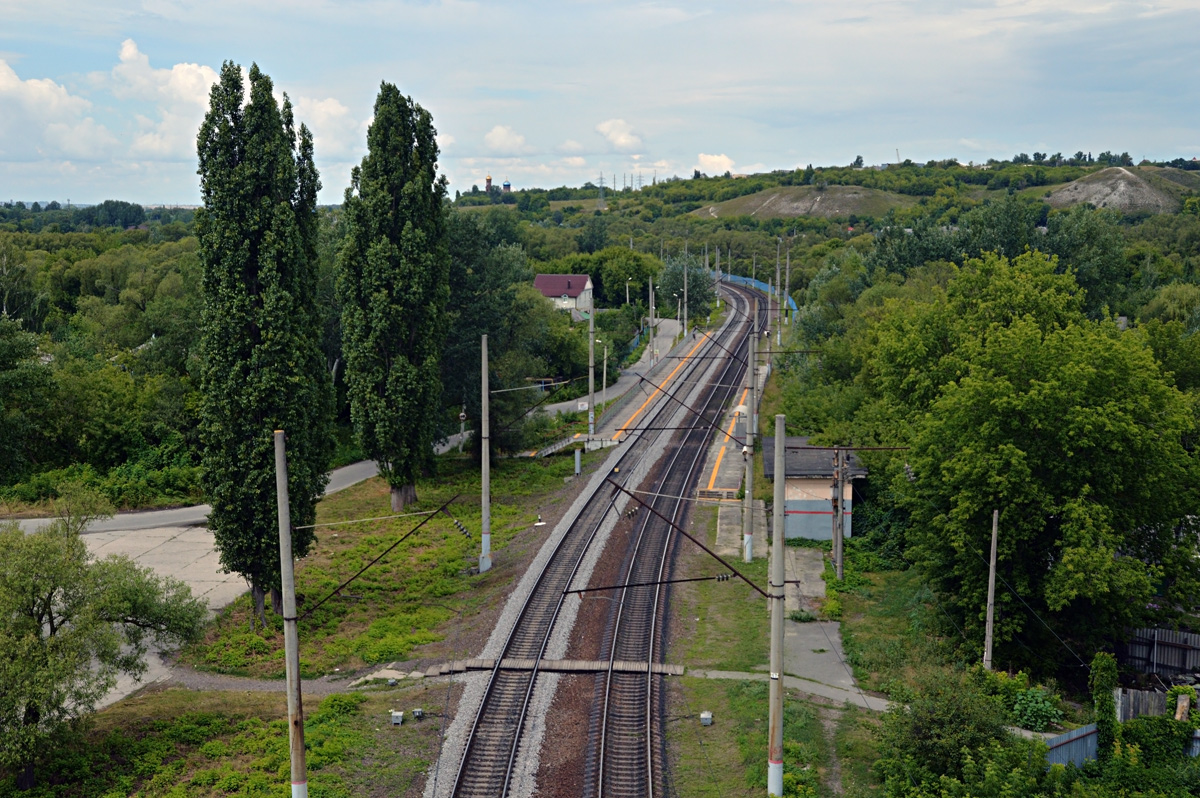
787 285
748 456
604 388
991 605
839 519
291 634
753 365
652 332
485 439
775 731
779 299
685 287
591 366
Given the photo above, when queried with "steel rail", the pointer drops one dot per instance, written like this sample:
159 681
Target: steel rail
643 629
632 454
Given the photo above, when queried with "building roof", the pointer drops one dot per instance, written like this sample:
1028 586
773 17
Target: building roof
800 463
559 285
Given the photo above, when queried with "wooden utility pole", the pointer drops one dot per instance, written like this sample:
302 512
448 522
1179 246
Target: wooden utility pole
775 717
991 605
291 634
485 498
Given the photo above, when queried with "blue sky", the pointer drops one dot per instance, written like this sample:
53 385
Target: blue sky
102 100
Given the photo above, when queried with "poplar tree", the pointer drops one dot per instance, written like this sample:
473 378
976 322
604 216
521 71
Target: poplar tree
393 282
262 367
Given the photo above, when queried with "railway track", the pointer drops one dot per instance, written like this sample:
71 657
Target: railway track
630 749
493 745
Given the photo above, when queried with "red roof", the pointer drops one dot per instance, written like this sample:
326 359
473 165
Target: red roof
559 285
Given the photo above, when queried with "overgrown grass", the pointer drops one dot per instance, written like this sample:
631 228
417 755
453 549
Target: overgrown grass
727 622
857 750
175 743
729 758
887 634
404 600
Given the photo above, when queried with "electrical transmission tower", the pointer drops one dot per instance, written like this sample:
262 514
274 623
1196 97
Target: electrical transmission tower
600 204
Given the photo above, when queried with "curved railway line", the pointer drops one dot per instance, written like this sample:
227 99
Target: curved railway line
629 754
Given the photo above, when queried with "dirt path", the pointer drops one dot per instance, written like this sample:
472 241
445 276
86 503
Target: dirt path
829 721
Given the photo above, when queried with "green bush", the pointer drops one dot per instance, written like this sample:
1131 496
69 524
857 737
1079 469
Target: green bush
925 739
1035 710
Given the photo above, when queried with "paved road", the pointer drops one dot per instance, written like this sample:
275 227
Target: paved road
667 330
339 479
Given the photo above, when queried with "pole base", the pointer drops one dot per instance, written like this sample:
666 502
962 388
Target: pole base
747 548
485 563
775 778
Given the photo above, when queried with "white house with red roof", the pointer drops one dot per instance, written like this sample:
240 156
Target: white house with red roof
566 291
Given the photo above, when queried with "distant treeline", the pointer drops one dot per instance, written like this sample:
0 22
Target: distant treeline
54 217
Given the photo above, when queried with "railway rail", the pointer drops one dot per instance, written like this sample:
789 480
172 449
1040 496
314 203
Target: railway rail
486 768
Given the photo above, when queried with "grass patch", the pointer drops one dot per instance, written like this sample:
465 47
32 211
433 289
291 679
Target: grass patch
729 758
727 623
177 743
886 631
857 750
405 600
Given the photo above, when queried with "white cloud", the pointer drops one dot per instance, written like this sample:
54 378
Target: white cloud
570 145
619 134
714 164
180 98
336 133
503 140
42 119
574 160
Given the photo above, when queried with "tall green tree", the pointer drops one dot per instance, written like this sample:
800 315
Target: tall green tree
393 281
262 367
1071 429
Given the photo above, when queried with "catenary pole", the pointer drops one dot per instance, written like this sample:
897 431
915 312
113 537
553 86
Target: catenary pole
748 499
991 605
787 285
653 332
775 716
591 366
754 368
778 299
291 635
685 290
485 462
839 525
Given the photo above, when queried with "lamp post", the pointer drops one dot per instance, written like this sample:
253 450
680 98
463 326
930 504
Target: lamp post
627 279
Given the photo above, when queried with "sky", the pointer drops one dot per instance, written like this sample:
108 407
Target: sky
102 100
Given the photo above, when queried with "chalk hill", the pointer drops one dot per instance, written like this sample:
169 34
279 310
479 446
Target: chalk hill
1144 189
787 202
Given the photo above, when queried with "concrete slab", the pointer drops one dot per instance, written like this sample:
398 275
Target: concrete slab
813 651
854 697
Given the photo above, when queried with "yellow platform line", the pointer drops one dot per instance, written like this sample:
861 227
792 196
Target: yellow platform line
721 454
658 390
